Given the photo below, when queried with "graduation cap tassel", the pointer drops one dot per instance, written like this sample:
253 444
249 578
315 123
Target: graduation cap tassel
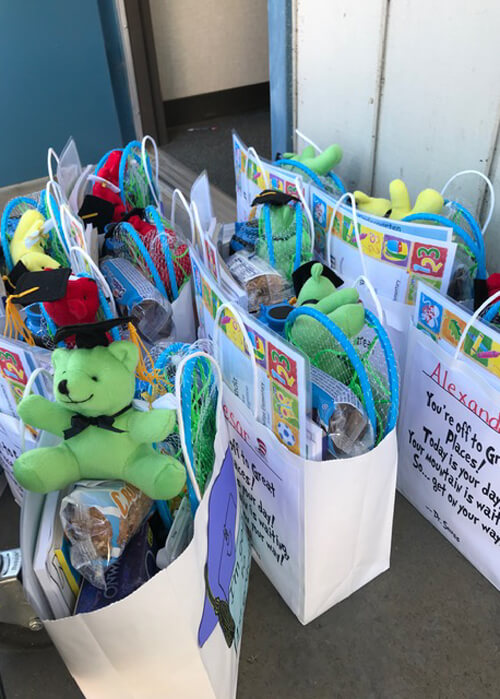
142 371
14 324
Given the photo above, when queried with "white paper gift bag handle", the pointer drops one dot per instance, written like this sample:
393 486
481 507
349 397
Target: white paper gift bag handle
52 156
473 319
26 393
179 374
178 195
248 344
54 188
307 211
154 185
73 229
256 159
82 263
53 194
92 177
490 188
364 281
329 236
307 140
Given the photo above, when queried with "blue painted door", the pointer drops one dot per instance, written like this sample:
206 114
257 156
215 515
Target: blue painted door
54 83
279 14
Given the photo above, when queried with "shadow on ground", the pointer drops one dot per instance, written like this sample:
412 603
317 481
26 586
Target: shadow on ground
427 628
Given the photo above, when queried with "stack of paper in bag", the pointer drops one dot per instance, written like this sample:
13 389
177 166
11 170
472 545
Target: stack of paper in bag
51 563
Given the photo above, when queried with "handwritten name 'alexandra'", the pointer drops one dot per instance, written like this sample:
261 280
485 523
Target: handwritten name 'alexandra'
440 377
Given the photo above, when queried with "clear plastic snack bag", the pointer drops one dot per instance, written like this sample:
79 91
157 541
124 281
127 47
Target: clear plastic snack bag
137 297
99 518
341 415
263 284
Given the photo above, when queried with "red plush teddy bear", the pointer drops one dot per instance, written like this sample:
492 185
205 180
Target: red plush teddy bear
110 172
79 304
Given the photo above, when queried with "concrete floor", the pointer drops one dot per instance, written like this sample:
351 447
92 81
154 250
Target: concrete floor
213 151
426 629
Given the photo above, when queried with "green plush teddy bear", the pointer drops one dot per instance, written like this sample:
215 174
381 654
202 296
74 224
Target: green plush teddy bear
104 436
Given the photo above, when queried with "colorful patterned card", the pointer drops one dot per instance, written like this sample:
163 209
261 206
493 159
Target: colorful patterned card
250 180
445 321
282 371
17 362
395 259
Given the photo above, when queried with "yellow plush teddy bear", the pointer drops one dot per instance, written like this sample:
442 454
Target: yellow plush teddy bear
429 201
26 244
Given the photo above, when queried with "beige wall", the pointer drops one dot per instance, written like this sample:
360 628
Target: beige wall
408 88
209 45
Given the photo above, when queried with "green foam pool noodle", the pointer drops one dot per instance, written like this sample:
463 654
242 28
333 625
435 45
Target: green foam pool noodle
320 164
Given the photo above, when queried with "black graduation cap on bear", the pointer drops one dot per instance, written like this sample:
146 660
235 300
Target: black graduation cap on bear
36 287
89 335
13 277
275 197
303 273
96 211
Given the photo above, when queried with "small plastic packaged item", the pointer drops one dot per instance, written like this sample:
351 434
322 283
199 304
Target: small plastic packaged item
99 518
245 237
138 298
341 415
263 284
134 567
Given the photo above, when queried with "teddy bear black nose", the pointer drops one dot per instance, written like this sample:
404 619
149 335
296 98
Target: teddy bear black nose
62 387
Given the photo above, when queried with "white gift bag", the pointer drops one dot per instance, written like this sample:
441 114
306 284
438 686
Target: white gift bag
178 635
319 530
449 441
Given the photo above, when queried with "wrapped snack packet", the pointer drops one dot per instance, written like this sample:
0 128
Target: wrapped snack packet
263 284
136 296
341 414
135 567
99 518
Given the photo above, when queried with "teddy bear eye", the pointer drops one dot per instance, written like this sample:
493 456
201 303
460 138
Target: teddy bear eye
94 378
